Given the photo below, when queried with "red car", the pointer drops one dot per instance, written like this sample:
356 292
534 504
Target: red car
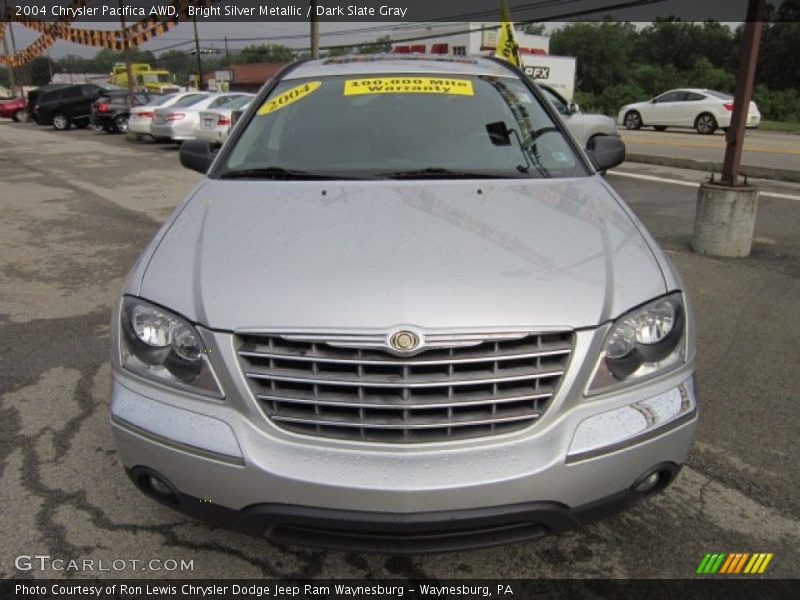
12 109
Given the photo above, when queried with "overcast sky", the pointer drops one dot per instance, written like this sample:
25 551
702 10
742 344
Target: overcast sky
330 33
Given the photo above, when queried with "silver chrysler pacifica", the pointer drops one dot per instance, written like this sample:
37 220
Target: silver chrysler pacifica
402 311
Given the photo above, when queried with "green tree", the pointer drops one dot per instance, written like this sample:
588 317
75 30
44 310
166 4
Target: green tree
5 78
178 62
381 45
532 28
265 53
39 69
604 52
779 54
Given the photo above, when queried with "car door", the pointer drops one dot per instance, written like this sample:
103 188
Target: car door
663 109
89 93
71 101
692 105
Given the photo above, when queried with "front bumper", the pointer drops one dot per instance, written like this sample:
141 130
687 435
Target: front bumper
399 532
227 457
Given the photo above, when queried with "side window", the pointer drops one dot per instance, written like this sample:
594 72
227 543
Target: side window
693 97
88 91
559 104
669 97
71 93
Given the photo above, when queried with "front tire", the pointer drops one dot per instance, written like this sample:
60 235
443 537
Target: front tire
61 122
632 120
705 124
19 115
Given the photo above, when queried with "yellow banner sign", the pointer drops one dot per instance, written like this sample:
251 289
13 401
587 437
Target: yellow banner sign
408 85
288 97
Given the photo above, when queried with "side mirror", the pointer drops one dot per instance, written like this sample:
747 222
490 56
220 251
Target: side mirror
606 151
197 155
573 108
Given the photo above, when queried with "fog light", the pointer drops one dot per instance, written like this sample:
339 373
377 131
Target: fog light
611 430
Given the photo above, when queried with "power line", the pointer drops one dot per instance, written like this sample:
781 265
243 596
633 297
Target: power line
453 18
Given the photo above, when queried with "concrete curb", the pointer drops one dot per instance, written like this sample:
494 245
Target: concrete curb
711 166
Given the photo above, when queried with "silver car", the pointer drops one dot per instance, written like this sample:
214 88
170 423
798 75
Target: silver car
583 126
142 116
402 311
179 122
215 125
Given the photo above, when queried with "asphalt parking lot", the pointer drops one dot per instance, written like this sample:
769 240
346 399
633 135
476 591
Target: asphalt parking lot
79 206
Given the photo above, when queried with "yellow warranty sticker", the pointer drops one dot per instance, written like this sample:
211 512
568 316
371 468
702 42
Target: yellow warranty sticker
288 97
408 85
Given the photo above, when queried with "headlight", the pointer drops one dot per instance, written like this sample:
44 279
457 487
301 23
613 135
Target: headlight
160 345
641 344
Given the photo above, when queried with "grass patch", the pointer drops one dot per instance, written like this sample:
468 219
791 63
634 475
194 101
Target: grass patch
780 126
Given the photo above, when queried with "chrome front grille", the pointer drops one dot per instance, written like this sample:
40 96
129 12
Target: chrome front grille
348 387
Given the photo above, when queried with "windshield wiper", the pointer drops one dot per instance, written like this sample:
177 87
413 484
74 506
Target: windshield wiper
276 173
440 173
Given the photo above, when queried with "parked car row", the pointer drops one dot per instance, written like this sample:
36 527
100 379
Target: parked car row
174 117
187 116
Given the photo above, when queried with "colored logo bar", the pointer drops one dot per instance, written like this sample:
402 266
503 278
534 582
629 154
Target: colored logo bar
735 563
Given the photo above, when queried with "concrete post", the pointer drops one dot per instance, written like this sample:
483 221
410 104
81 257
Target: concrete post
725 219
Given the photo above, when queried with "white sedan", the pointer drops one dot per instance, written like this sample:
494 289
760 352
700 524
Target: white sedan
703 110
142 116
215 124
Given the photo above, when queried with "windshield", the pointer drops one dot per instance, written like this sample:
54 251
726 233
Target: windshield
410 126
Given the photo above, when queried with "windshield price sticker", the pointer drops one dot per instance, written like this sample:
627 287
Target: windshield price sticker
408 85
288 97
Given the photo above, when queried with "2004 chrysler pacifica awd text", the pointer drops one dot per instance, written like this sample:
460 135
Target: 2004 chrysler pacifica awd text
403 311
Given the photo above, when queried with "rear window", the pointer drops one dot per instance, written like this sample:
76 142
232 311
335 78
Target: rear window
721 95
238 102
159 100
189 100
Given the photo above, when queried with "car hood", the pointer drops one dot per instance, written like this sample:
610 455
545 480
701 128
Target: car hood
373 254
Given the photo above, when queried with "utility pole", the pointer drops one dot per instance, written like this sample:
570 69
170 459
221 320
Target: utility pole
227 53
734 138
199 60
314 29
13 49
726 210
10 67
126 46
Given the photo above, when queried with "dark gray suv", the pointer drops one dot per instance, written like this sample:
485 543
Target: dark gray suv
65 106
